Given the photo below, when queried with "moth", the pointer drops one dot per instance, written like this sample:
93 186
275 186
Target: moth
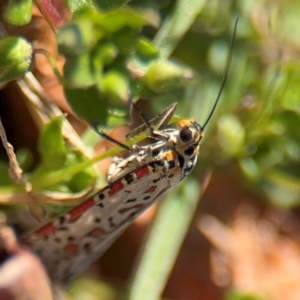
70 243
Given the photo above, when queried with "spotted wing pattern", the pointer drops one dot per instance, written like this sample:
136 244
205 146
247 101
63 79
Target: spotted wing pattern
70 243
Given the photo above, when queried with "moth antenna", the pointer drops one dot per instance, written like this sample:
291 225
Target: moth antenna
225 75
143 118
112 140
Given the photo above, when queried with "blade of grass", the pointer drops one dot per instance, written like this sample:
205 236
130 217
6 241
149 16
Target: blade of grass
164 241
176 25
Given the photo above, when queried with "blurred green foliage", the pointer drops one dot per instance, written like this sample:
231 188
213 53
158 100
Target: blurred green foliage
18 12
15 58
56 160
234 295
108 62
253 134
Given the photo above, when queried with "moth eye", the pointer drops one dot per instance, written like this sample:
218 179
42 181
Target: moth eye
186 135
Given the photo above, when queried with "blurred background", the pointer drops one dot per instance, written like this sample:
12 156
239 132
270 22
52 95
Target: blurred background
243 238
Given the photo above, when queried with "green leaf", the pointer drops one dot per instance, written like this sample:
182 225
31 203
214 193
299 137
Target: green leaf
78 71
119 19
105 53
94 107
283 188
146 50
289 97
94 290
115 86
79 181
126 40
163 76
51 145
77 37
15 58
74 5
25 158
235 295
18 12
4 177
250 168
231 135
84 178
177 24
61 169
109 5
164 242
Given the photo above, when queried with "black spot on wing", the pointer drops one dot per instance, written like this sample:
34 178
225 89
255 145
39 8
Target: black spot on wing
101 196
101 205
45 237
181 161
155 164
189 151
155 153
189 167
158 163
129 178
187 170
62 220
152 166
63 229
156 180
171 164
71 239
164 170
130 200
111 223
87 247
